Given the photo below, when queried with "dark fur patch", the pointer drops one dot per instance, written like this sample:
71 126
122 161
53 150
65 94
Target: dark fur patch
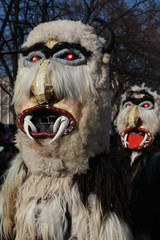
4 166
142 180
36 47
103 179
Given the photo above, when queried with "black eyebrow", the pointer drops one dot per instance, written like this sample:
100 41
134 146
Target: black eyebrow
36 47
49 52
62 45
137 101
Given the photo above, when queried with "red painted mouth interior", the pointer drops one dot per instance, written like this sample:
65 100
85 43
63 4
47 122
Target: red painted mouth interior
134 140
137 138
43 118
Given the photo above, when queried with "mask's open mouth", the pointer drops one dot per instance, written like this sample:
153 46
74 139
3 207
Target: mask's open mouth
46 121
136 138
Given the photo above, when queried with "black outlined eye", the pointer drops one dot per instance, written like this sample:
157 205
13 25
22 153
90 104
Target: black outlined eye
71 57
128 104
146 104
32 58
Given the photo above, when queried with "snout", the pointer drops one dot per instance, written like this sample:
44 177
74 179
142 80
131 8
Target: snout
133 119
42 87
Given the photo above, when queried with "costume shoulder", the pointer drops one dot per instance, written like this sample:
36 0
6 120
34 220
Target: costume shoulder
152 167
104 179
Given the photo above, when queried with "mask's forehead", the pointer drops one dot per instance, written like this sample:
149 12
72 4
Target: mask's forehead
139 92
66 31
138 95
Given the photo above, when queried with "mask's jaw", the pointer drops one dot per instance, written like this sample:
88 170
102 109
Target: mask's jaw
46 121
136 138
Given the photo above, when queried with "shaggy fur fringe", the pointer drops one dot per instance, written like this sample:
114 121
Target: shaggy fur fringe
14 177
68 208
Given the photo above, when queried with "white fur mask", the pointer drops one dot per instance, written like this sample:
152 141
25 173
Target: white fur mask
138 119
62 98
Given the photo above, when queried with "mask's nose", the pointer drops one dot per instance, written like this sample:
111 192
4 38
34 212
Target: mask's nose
42 88
133 117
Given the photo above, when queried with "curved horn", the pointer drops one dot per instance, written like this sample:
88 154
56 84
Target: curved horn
111 39
86 14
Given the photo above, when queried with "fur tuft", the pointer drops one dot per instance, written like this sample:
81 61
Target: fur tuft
73 83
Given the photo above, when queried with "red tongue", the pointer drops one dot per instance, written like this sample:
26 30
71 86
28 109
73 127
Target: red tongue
134 140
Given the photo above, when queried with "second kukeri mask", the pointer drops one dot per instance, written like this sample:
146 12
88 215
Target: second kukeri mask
138 119
62 97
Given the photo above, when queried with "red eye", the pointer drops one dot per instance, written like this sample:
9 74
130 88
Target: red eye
35 59
70 57
146 105
128 105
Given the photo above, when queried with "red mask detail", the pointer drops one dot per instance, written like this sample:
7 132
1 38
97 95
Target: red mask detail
35 59
128 105
139 122
134 140
70 57
146 105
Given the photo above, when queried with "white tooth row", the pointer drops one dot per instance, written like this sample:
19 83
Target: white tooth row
125 140
144 140
59 126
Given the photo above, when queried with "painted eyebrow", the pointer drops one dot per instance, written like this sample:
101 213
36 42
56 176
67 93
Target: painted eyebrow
138 100
59 46
36 47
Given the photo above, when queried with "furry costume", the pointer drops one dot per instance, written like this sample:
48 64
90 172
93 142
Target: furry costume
139 126
60 185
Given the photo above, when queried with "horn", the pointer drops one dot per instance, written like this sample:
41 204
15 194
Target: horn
87 13
111 38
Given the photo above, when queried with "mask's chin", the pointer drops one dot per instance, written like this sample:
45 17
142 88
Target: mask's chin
46 121
136 138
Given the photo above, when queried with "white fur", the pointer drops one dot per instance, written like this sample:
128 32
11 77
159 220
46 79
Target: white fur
71 82
41 213
110 225
134 155
23 84
14 178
